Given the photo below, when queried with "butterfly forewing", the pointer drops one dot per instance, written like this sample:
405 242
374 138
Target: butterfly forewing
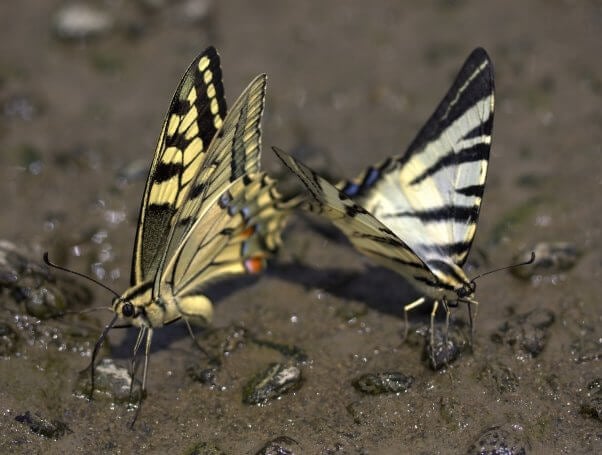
197 111
431 196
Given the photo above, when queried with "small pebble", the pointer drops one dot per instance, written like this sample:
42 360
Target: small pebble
271 383
8 339
499 376
591 406
526 332
51 429
79 21
196 11
499 440
550 258
379 383
440 355
282 445
111 381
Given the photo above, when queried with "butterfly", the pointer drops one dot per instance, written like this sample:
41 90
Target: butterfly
207 211
417 213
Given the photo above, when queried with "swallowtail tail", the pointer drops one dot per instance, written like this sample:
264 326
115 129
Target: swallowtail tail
416 214
207 211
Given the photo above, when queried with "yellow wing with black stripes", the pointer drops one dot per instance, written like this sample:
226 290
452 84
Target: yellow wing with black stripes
197 111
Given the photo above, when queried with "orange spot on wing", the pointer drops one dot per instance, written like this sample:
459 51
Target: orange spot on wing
248 232
254 265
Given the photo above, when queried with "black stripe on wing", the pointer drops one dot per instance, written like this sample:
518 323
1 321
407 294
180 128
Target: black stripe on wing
471 190
446 213
463 95
205 117
475 153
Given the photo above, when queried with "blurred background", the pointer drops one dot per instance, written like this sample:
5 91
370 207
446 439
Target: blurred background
84 88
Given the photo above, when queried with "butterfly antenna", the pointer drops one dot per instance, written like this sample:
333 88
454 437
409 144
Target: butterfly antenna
87 310
530 261
64 269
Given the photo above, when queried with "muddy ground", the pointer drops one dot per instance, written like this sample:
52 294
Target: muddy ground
349 84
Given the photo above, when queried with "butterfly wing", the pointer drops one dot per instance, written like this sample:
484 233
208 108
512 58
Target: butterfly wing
197 111
431 196
365 232
235 235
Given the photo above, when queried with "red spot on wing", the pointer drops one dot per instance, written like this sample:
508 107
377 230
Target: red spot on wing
254 264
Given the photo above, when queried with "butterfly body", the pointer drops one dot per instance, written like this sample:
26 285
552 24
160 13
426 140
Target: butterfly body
416 214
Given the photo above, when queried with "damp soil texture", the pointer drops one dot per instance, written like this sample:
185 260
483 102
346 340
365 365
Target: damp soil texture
307 358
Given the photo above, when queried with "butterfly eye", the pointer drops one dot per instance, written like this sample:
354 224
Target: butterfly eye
127 310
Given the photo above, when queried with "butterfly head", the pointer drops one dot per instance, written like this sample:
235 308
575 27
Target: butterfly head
467 290
125 310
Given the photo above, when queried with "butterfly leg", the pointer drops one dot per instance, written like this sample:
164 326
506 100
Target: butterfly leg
96 349
471 318
447 316
432 330
406 309
149 337
212 359
133 368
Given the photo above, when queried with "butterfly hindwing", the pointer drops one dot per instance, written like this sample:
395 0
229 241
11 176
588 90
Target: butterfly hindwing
197 111
235 236
431 196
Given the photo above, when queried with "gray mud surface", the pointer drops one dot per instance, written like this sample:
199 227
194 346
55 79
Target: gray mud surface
350 83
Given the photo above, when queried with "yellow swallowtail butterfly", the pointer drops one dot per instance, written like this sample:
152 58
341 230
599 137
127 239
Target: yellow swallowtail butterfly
207 210
416 214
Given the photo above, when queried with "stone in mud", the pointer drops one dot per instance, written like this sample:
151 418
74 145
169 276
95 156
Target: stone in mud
79 21
45 302
52 429
271 383
379 383
220 342
30 288
29 285
441 353
499 376
195 11
550 258
282 445
591 406
8 339
355 411
22 107
205 448
110 381
526 332
499 440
